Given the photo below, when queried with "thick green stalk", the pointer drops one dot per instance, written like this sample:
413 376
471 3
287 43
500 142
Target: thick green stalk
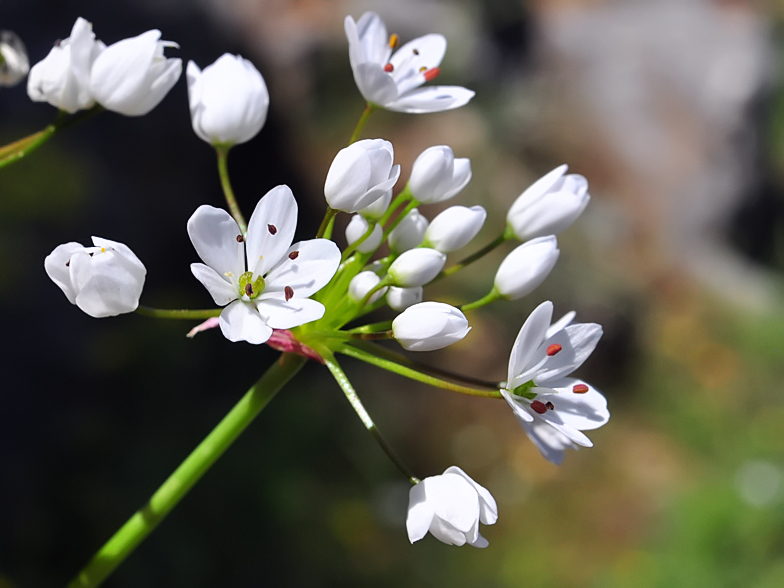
142 523
231 200
179 314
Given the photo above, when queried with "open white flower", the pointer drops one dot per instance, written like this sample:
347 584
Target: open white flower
392 81
451 507
103 280
552 408
270 291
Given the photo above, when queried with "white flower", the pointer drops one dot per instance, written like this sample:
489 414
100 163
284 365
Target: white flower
271 291
416 267
437 176
132 76
103 280
15 64
454 228
408 233
357 227
450 506
360 174
363 283
62 78
552 408
376 210
402 298
549 205
429 325
228 100
392 81
526 267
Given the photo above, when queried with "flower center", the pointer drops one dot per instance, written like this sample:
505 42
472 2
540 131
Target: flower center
524 390
249 287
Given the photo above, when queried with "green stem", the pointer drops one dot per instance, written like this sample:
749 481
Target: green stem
372 328
231 200
179 314
329 216
492 296
356 404
141 524
353 247
413 374
374 336
500 240
361 123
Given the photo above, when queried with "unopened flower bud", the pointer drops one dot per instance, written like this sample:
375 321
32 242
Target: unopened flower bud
549 206
409 233
429 325
376 210
416 267
437 175
526 267
228 100
357 228
402 298
454 228
363 283
104 280
14 64
360 174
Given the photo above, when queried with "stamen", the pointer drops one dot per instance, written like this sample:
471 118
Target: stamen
554 349
389 68
432 74
103 249
289 292
68 263
580 389
393 41
272 229
248 289
294 255
549 405
416 51
423 68
240 238
539 406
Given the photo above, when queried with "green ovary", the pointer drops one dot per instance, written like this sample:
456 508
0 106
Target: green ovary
256 287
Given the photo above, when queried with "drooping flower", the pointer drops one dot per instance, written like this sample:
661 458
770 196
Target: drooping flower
454 228
271 290
132 76
549 205
103 280
429 325
450 506
393 81
14 64
526 267
360 174
228 100
62 78
552 408
437 176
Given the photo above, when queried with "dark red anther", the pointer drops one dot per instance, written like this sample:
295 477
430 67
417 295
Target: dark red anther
389 68
539 407
57 42
432 74
272 229
289 292
294 255
580 389
68 263
553 349
550 405
416 51
248 289
240 238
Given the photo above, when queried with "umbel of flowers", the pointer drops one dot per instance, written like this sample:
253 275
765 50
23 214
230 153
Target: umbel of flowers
315 300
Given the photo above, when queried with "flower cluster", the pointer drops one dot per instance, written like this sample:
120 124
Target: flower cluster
311 299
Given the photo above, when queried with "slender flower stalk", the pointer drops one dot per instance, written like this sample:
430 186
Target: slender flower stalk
231 200
491 297
369 109
490 247
176 486
178 314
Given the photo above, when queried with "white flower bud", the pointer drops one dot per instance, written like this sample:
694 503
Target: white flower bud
15 64
429 325
408 233
360 174
228 100
454 228
357 228
416 267
62 78
526 267
104 280
363 283
402 298
437 175
132 76
549 206
376 210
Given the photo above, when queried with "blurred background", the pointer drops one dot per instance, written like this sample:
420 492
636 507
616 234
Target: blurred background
674 111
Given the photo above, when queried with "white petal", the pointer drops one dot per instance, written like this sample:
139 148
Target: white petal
522 414
316 262
120 70
454 500
373 38
577 343
561 323
220 288
480 542
536 190
528 340
214 233
446 532
585 412
271 229
431 99
59 272
240 321
280 314
488 509
375 85
420 513
460 177
426 51
548 440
